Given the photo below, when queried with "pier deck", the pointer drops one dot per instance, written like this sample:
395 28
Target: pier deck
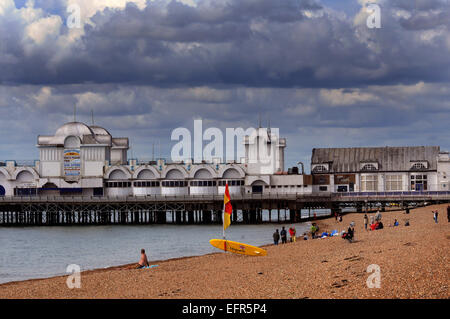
192 209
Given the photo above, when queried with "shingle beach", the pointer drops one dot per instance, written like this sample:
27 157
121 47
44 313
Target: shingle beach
413 263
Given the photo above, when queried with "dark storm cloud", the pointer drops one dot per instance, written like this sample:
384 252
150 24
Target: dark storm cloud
323 78
253 43
426 21
373 116
418 4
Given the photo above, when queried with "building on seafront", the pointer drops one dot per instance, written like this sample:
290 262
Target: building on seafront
87 160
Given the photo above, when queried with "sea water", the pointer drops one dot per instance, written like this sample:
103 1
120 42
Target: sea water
39 252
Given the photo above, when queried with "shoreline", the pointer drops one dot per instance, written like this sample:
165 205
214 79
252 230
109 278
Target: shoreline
117 267
132 265
413 262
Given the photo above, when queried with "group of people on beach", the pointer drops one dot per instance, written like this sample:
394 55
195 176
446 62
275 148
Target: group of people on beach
375 224
283 235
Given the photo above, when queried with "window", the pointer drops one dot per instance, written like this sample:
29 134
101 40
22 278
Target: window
393 183
369 167
419 183
369 183
319 169
418 167
323 188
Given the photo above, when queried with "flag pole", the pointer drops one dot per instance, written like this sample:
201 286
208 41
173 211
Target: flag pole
223 226
223 222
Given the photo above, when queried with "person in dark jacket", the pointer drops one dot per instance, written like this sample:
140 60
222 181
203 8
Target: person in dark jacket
448 214
349 234
283 234
276 237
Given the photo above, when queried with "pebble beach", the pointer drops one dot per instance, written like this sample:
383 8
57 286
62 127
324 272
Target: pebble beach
413 263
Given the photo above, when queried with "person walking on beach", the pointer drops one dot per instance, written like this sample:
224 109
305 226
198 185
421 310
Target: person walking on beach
340 218
276 237
366 221
336 216
143 262
283 234
435 216
448 214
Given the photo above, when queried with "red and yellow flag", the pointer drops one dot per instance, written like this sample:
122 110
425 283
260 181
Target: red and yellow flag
228 208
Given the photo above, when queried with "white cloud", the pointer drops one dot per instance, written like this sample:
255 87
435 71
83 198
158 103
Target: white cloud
41 30
6 6
90 7
340 97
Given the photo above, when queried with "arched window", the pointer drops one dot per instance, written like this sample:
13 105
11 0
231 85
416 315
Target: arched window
369 167
418 167
319 169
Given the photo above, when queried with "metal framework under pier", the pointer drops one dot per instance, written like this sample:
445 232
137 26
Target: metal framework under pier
207 209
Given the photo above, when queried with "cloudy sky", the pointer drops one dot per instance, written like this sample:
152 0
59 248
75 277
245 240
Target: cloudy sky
313 67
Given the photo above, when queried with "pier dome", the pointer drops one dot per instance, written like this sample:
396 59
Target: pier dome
75 129
98 130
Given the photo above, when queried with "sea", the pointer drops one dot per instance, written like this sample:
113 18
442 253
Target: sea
46 251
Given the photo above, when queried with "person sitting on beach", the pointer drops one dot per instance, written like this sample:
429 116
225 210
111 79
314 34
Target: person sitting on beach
374 226
378 216
314 229
143 262
349 234
395 222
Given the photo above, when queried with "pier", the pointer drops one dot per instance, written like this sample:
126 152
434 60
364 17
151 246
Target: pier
194 209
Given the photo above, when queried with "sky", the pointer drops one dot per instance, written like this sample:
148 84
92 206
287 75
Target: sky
312 67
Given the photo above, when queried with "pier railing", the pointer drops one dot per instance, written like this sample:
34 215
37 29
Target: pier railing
158 198
193 209
323 196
